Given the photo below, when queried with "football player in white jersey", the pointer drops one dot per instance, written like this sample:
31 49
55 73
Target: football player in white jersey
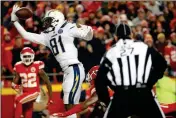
59 35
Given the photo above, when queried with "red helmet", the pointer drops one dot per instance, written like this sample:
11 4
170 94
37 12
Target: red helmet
92 74
27 55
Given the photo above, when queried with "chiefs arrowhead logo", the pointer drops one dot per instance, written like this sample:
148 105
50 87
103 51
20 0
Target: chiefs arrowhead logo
33 69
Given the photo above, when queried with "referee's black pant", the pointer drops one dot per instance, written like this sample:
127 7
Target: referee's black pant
134 101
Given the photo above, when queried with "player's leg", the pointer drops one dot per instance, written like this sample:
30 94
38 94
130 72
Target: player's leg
21 99
73 78
118 107
40 103
28 109
150 107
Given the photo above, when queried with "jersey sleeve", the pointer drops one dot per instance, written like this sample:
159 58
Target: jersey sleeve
16 66
41 65
166 50
82 31
33 37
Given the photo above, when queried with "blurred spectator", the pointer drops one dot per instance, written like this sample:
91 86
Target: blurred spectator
131 11
109 29
144 24
159 29
138 33
29 25
169 10
123 18
115 18
170 55
152 24
153 6
165 24
173 38
84 53
98 46
161 43
6 54
17 49
173 25
3 31
148 40
140 17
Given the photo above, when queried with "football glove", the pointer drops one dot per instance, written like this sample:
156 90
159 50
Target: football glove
13 15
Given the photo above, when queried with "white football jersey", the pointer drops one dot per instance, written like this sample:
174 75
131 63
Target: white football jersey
61 42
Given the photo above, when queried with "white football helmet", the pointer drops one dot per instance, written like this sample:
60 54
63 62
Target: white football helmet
53 18
27 56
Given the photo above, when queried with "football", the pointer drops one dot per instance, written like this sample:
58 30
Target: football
24 13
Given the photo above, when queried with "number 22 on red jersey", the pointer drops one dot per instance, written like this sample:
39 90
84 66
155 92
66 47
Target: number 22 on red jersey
28 80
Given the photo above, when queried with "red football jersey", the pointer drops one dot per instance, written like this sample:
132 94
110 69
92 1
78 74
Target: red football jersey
170 56
29 75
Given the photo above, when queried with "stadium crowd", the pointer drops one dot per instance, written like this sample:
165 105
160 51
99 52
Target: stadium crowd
152 22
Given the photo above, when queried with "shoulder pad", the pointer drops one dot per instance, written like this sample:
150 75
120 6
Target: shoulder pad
18 63
40 63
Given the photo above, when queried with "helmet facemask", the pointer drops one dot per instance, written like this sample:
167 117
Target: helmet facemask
91 77
52 19
27 58
49 23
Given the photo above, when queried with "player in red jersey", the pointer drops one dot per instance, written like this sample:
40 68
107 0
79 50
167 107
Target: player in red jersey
84 107
27 75
170 55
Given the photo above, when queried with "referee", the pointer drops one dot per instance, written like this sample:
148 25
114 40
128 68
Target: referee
130 68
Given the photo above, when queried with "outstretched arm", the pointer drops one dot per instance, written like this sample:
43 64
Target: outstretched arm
33 37
79 108
46 80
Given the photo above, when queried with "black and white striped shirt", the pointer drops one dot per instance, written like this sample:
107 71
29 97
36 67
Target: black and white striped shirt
128 63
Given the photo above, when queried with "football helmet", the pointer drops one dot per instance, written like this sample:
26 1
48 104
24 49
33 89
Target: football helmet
53 18
27 56
91 76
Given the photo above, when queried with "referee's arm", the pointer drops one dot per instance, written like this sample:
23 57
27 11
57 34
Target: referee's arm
159 66
101 81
